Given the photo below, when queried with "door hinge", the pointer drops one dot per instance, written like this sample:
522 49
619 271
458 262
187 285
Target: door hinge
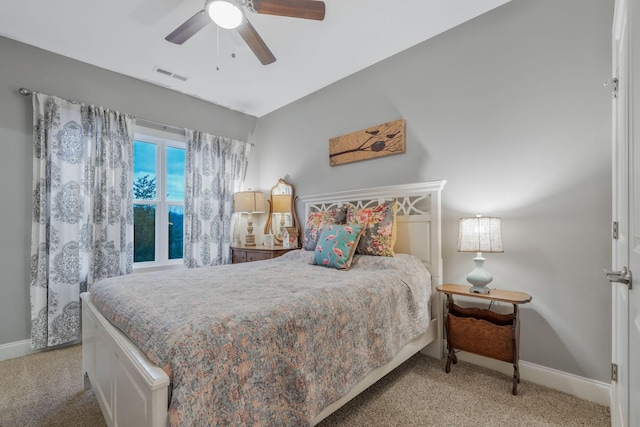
614 372
614 86
615 230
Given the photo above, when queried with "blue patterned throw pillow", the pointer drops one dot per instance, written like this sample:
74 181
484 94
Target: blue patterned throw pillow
336 246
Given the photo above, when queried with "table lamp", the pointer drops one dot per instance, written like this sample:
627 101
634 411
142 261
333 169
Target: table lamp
480 234
281 206
249 202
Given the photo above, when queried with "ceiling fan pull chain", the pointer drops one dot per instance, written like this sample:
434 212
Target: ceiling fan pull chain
251 7
233 44
217 48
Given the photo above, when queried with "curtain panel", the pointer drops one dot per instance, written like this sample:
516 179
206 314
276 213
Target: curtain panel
215 169
82 228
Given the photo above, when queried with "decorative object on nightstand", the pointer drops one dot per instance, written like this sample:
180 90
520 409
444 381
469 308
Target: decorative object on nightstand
480 234
289 238
483 331
249 202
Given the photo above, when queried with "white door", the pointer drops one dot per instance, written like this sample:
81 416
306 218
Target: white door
633 102
625 396
620 248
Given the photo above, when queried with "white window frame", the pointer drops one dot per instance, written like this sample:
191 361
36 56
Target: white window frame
162 139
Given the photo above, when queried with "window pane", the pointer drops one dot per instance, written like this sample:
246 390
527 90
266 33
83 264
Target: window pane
175 173
144 170
176 214
144 233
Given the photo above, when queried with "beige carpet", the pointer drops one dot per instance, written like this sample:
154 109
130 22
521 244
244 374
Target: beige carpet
46 389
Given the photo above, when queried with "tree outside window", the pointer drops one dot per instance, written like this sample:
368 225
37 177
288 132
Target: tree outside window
158 191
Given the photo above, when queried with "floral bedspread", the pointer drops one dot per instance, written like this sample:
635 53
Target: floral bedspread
269 342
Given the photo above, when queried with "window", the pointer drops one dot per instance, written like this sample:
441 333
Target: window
158 192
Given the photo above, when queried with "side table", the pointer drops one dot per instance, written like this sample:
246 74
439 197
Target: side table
483 331
256 253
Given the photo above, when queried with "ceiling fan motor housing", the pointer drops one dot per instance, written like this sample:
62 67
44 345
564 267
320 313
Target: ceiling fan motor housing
229 14
226 14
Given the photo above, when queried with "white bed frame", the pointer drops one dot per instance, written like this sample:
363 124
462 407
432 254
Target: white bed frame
132 391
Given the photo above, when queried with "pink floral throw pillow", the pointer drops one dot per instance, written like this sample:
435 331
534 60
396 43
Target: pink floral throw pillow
337 245
379 236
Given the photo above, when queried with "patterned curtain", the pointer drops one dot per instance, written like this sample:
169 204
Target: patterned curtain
215 169
82 210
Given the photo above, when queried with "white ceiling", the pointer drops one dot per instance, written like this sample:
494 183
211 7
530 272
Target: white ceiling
127 36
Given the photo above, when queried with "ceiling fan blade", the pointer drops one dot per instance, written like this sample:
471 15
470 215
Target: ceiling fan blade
185 31
306 9
255 42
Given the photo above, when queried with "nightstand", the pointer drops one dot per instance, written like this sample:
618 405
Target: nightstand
483 331
256 253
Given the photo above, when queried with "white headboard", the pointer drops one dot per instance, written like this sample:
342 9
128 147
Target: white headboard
418 216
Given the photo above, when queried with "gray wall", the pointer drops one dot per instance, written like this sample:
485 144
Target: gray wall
23 65
510 109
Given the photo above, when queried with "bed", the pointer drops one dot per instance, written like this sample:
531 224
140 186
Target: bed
139 383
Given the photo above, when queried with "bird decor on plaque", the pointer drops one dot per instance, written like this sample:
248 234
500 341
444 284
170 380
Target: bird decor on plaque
377 141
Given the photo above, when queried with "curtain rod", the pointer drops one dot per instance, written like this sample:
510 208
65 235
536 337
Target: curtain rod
143 122
162 126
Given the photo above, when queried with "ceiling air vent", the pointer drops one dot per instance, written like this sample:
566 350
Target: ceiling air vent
169 74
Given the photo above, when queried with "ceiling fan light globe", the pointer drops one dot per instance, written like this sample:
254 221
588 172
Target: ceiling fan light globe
225 14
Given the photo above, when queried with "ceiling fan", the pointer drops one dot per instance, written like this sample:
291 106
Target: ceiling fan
229 14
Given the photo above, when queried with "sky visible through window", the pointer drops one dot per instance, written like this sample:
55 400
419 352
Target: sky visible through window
145 164
147 175
175 173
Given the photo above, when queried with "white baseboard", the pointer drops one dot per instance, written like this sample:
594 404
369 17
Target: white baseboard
15 349
584 388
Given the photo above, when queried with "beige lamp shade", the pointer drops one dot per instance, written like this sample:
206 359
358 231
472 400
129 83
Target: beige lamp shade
248 202
480 234
281 203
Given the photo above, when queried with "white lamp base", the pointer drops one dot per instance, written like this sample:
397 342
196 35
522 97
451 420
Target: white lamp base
479 277
479 290
250 238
